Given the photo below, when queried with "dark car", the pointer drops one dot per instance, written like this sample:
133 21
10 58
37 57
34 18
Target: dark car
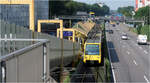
117 23
111 31
113 25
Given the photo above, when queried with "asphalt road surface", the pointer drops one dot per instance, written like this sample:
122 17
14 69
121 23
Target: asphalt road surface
130 61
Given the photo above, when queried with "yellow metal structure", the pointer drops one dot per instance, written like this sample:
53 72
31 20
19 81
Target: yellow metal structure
92 13
93 56
112 22
23 2
52 21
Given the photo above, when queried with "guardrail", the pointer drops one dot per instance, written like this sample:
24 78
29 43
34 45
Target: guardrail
29 64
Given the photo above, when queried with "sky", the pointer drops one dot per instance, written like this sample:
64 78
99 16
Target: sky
113 4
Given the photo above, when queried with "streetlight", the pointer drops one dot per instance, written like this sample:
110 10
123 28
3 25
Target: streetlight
133 13
101 4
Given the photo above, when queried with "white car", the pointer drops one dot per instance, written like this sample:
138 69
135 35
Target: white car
142 39
124 37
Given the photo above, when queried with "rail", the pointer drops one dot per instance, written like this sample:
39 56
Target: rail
29 64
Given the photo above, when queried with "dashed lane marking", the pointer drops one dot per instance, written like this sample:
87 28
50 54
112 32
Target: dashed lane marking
145 52
146 79
140 47
135 62
128 52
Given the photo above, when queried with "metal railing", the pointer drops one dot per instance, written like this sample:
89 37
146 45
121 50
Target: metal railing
29 64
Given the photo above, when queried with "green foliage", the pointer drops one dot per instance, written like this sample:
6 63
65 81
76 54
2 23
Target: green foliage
70 7
139 29
145 30
99 10
127 11
143 13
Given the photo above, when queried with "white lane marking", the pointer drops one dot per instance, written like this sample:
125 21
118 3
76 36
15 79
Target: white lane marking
128 52
134 43
145 52
146 79
113 72
135 62
140 47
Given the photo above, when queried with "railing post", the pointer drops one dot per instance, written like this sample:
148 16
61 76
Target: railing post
2 72
44 63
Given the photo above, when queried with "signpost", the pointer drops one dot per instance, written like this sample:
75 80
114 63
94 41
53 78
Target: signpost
67 33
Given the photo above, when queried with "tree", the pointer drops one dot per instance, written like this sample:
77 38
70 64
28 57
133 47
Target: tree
143 13
70 7
126 11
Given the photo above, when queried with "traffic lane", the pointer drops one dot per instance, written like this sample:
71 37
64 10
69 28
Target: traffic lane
133 36
126 61
133 39
144 48
139 59
135 47
144 54
121 73
124 69
140 56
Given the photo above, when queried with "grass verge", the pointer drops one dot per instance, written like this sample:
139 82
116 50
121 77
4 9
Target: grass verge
145 30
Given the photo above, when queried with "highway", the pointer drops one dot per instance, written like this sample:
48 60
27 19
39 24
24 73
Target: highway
130 61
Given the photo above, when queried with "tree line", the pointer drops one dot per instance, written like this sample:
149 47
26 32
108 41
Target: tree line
142 13
70 7
126 11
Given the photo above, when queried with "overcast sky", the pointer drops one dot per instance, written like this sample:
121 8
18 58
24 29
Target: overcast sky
113 4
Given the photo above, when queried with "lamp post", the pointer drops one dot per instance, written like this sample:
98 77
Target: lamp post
133 13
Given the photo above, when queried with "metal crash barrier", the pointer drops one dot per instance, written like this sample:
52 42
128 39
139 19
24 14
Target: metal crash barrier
29 64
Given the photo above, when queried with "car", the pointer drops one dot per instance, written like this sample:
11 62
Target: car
111 31
142 39
124 36
113 25
117 23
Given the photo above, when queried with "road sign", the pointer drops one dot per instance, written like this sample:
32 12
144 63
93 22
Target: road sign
67 33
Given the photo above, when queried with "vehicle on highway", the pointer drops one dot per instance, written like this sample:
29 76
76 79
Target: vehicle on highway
117 23
113 25
142 39
92 52
111 31
111 22
124 36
